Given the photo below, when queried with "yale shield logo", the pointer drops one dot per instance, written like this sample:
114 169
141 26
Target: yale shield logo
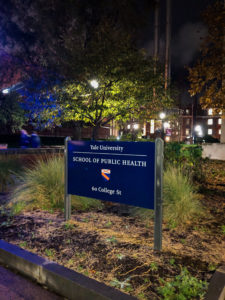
106 174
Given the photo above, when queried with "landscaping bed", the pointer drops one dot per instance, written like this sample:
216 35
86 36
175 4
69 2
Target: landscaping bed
115 247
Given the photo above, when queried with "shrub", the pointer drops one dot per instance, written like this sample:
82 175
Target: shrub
181 202
187 157
8 166
42 186
184 286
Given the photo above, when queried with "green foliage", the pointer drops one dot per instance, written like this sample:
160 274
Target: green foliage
121 284
223 229
183 287
207 75
181 202
12 116
186 157
9 165
42 186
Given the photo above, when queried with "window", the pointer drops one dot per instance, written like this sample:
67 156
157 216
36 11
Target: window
220 121
220 113
187 132
187 111
219 131
210 121
188 121
209 131
152 126
210 111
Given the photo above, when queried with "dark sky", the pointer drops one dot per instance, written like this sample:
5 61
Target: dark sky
187 31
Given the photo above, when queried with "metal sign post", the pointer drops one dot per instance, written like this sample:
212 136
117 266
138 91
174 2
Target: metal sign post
67 197
158 194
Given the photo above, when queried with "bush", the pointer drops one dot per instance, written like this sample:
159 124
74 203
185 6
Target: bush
9 165
186 157
181 202
184 286
42 187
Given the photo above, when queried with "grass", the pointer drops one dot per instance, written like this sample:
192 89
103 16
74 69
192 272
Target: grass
181 202
42 187
9 165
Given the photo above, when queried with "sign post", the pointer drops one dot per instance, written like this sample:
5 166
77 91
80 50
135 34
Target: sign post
158 194
67 197
123 172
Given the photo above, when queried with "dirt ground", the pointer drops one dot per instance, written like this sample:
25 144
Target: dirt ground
116 248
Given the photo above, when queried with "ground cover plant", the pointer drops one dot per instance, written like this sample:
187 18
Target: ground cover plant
115 246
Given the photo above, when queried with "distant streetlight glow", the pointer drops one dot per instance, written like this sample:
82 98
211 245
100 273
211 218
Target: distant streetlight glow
94 84
198 129
162 115
5 91
166 125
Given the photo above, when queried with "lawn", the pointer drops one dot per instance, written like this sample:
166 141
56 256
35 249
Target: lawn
113 246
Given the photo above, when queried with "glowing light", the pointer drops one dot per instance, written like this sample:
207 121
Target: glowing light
166 125
162 115
5 91
167 138
136 126
94 84
198 129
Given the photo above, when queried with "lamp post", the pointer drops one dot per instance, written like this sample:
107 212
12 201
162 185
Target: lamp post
162 116
94 83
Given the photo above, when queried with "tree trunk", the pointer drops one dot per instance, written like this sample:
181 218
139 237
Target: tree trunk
95 131
78 132
222 137
168 39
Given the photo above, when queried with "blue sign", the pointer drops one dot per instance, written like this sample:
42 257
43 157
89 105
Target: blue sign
121 172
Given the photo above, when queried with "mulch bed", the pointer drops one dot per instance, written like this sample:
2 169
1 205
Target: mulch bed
116 248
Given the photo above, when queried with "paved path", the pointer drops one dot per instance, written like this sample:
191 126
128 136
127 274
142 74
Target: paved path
16 287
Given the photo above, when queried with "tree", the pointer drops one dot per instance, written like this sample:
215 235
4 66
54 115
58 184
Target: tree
208 75
12 116
125 77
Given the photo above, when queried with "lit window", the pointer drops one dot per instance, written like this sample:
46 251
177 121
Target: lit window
188 121
220 113
220 121
152 126
187 111
219 131
187 131
210 121
209 131
177 132
210 111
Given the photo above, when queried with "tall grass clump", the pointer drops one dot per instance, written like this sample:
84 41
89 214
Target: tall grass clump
181 202
42 187
9 165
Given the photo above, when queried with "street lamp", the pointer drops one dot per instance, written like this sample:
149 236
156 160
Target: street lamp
162 116
5 91
94 83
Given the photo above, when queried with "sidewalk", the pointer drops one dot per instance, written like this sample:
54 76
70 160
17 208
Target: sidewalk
15 287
